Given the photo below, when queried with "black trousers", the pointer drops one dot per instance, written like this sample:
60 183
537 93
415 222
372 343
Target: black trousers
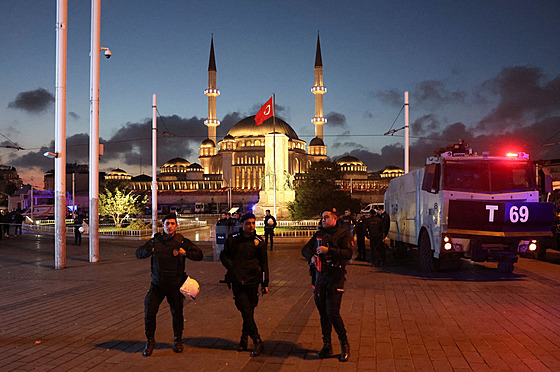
361 242
155 296
377 250
246 299
328 299
269 233
77 236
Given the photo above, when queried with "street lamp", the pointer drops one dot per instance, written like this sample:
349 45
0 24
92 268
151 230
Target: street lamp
94 129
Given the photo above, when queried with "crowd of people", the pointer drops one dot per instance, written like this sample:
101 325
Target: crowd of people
9 219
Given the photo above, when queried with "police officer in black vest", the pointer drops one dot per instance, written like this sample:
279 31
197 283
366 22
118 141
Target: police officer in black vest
167 252
329 250
245 258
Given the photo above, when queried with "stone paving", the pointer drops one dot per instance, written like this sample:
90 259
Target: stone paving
89 316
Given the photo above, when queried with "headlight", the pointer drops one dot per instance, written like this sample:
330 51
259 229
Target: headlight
446 239
447 246
533 246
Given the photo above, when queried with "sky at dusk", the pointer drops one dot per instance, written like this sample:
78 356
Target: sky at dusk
484 71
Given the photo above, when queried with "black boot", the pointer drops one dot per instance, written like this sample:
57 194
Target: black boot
149 348
345 352
178 343
258 347
243 343
326 351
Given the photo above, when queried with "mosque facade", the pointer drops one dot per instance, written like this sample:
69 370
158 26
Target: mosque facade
252 161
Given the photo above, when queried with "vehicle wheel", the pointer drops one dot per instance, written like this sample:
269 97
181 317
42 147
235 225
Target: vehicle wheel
505 267
426 254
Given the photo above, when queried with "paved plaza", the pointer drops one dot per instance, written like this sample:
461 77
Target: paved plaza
89 316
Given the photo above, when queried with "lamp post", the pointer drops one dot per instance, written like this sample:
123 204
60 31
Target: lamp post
60 136
94 130
154 164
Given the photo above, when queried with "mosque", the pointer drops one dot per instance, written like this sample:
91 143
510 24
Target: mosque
251 161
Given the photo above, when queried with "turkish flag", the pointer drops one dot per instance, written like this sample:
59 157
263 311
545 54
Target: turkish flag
265 112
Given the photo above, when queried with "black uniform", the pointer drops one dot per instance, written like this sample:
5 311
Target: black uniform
269 230
78 222
246 260
347 223
329 282
168 274
375 232
361 233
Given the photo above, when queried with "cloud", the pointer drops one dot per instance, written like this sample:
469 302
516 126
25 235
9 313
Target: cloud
34 101
433 93
424 124
352 145
336 119
428 94
525 97
391 97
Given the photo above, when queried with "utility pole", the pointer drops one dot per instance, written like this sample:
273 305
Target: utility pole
60 136
406 135
154 164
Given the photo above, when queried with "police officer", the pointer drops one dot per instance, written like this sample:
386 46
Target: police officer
269 225
329 251
347 222
375 232
167 252
361 233
245 258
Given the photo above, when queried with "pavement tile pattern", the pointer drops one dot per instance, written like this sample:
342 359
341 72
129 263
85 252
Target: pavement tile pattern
89 316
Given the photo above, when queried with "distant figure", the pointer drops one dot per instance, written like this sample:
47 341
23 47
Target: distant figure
18 220
6 221
361 233
375 232
269 225
347 222
78 222
234 223
223 221
167 252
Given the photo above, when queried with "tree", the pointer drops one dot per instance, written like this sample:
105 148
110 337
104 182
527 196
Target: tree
118 204
318 191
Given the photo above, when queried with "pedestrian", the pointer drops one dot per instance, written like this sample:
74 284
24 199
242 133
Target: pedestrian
223 221
234 223
167 252
6 221
78 222
347 222
18 220
329 250
361 233
269 225
245 258
375 232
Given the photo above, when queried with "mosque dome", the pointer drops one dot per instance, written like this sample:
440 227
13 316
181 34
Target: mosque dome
175 165
248 128
195 166
316 142
118 174
349 160
208 143
177 162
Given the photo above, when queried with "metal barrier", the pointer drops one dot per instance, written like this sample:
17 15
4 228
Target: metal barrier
105 231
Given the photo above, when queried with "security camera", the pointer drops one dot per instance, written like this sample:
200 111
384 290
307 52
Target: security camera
51 155
108 53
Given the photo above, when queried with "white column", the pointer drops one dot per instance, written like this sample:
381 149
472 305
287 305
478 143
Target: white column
60 136
154 164
94 132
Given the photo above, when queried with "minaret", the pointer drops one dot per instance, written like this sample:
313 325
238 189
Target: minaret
212 92
318 90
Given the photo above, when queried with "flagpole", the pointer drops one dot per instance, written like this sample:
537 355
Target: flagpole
274 146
